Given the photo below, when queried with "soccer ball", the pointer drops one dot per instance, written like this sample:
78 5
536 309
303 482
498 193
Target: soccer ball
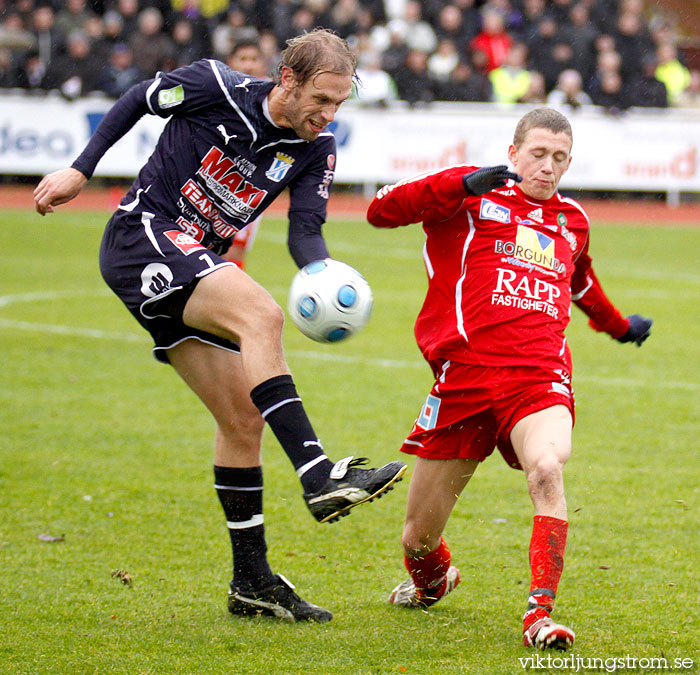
329 300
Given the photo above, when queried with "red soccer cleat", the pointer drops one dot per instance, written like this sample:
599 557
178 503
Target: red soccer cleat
543 633
407 595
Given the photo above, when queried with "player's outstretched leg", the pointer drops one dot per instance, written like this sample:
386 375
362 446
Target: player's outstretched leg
330 490
348 486
277 600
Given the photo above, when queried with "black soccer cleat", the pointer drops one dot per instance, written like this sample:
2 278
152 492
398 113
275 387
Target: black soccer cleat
348 486
277 600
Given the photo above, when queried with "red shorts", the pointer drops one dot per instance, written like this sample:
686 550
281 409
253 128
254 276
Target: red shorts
472 409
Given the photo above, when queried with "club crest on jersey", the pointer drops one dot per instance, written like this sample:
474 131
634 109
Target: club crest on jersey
491 211
281 164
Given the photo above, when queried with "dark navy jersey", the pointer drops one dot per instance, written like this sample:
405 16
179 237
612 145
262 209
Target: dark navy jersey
220 161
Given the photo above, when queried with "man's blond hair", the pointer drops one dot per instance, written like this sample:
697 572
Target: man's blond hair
319 51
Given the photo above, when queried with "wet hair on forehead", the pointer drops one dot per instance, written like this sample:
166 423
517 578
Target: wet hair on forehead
542 118
316 52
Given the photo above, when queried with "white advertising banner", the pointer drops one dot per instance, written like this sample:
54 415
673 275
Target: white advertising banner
635 152
43 134
638 151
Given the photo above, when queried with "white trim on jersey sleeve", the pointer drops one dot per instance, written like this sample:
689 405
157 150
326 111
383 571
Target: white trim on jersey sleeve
149 92
428 264
460 281
233 104
578 296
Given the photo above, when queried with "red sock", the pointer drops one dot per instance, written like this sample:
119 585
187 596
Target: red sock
431 568
547 547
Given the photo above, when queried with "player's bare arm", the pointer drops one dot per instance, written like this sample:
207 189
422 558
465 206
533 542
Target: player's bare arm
58 188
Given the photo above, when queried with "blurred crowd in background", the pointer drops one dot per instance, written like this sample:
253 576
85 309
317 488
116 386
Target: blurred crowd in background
566 53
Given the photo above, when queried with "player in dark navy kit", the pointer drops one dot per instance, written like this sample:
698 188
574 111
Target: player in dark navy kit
246 57
232 144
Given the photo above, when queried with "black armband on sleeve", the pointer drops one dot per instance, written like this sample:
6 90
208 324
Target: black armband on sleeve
305 239
122 116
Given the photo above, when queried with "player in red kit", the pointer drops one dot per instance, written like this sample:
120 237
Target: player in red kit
506 255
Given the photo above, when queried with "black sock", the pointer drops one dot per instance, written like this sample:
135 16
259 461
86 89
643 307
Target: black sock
240 492
280 405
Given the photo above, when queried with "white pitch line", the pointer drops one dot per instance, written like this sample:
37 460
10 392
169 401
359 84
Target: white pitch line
297 353
48 295
71 331
399 253
344 358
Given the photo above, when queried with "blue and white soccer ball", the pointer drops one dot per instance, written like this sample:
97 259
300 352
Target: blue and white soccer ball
329 301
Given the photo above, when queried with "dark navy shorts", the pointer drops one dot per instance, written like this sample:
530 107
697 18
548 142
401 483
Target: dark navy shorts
154 267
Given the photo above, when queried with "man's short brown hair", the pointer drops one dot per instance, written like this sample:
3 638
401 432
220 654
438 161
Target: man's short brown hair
542 118
319 51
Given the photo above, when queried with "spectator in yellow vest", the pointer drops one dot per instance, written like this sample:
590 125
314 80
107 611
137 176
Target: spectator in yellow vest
207 8
511 81
671 72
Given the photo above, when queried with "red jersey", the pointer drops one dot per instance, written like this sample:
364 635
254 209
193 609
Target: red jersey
503 269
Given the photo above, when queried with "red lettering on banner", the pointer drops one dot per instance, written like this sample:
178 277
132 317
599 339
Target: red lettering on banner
683 166
455 154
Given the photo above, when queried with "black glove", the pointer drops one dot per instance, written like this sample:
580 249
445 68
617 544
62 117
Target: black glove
488 178
639 330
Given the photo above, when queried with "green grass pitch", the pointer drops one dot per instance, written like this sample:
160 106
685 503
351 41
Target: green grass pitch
104 447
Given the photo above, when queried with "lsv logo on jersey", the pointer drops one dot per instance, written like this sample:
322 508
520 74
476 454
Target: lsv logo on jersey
279 167
491 211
